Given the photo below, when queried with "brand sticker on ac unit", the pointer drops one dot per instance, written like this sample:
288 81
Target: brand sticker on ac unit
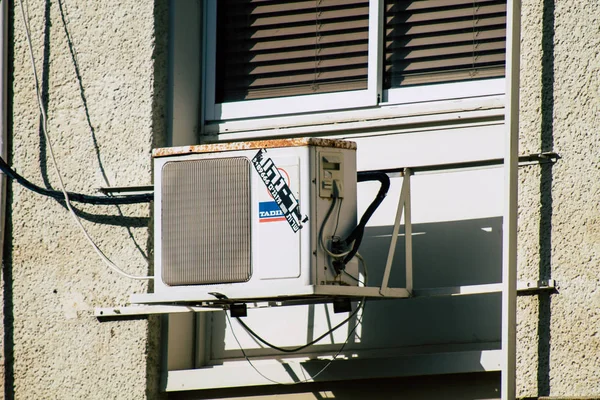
268 211
284 204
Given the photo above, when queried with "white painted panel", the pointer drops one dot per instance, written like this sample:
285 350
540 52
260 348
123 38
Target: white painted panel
443 91
381 118
439 197
431 147
293 104
179 355
240 373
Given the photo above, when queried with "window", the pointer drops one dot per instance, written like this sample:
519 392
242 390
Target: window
437 41
385 74
267 57
277 49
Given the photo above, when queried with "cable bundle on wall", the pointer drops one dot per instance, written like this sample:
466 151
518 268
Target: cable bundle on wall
66 196
77 197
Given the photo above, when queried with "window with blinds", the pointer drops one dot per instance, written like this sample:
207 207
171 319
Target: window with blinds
274 48
271 49
434 41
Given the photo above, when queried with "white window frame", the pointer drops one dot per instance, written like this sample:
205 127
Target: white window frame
372 98
294 104
444 91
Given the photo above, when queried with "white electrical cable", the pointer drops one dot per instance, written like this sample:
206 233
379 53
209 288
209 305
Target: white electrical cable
322 243
364 282
364 264
108 262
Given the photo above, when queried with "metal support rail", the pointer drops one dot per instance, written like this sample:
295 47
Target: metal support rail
535 158
525 160
135 311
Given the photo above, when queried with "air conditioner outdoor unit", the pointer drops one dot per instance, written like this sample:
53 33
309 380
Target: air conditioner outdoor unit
245 220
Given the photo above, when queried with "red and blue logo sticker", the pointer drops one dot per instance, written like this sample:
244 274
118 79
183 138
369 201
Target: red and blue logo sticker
269 211
284 205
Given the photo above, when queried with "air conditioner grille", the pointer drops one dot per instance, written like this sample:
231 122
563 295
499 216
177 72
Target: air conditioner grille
206 221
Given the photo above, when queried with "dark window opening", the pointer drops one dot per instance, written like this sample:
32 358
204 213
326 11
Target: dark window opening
272 48
269 49
434 41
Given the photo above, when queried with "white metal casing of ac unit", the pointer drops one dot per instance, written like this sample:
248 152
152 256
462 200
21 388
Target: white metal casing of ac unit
219 228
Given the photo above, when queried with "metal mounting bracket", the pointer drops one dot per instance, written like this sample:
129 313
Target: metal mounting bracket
531 288
403 208
382 292
126 189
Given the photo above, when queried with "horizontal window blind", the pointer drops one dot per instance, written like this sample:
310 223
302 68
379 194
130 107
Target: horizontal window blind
268 48
431 41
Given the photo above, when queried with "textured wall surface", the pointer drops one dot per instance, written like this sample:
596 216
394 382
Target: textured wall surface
559 226
102 71
102 67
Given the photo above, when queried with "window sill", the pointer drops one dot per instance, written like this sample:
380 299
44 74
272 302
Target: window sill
384 117
240 373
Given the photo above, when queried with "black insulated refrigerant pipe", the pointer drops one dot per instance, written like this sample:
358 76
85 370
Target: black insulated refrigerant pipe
381 176
357 234
77 197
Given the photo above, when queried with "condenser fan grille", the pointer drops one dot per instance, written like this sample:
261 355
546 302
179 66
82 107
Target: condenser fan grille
206 221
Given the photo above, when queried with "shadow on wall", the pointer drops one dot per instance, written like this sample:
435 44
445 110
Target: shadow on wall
445 254
545 234
159 139
7 267
450 253
448 387
116 219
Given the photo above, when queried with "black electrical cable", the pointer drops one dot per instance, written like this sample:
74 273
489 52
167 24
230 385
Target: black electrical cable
295 349
337 221
353 277
77 197
357 234
313 377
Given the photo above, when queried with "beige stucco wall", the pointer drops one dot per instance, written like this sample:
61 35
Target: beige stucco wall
105 111
559 225
104 73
